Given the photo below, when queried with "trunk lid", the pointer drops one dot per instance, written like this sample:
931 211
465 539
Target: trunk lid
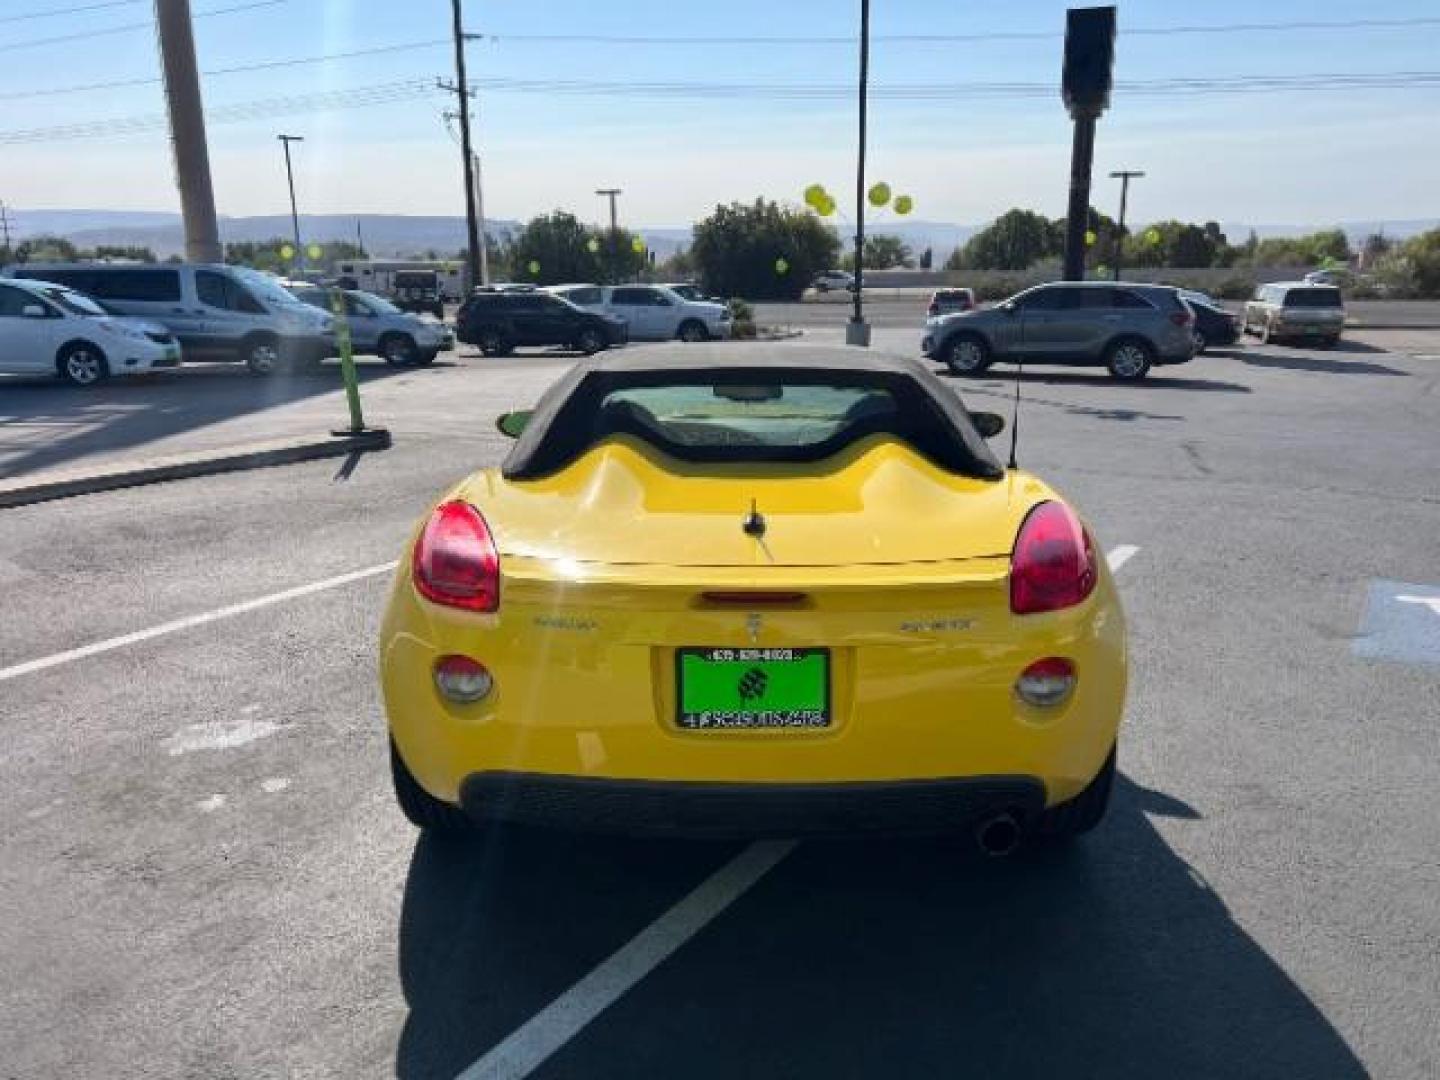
878 503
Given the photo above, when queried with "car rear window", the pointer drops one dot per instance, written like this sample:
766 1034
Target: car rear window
759 415
762 415
1313 298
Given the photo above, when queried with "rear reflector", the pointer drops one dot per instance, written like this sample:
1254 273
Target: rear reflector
461 679
1182 318
1046 682
767 598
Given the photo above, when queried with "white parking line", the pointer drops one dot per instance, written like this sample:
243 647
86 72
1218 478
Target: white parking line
529 1045
190 621
1120 555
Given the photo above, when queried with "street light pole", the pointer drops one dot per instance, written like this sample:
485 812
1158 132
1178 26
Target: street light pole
1124 176
286 140
857 333
611 193
472 226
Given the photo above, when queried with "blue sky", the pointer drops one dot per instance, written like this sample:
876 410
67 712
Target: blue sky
1315 157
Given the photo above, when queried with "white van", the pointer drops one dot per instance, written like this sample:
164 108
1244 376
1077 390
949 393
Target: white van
217 312
47 329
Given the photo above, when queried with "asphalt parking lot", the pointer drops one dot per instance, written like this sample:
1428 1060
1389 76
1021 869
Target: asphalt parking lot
203 872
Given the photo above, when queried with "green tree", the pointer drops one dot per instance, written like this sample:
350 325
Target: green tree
678 267
762 251
617 258
1423 254
927 258
553 248
45 249
886 252
1014 241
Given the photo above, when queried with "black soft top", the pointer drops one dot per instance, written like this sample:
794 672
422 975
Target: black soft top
563 425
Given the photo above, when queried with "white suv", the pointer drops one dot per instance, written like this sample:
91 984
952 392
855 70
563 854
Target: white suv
47 329
652 312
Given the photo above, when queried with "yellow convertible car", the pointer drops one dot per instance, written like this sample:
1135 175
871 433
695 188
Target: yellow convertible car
725 590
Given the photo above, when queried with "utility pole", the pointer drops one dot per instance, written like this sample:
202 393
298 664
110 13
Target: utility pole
187 130
857 332
472 229
611 193
1085 88
359 238
294 214
1124 176
480 213
5 228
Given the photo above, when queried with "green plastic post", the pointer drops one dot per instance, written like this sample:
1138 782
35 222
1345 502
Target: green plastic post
347 360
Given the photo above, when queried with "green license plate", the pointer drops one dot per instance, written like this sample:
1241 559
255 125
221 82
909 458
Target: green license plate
739 689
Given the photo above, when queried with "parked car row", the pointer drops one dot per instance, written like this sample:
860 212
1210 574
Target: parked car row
585 317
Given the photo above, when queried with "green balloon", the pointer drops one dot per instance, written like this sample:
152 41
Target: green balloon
825 207
880 194
782 265
1153 236
534 267
815 195
638 246
592 245
904 204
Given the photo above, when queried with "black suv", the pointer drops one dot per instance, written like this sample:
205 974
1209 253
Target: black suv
499 321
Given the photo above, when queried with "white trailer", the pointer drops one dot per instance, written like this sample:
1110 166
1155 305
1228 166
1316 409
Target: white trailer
378 275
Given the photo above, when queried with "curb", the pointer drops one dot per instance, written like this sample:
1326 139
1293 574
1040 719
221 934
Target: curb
184 466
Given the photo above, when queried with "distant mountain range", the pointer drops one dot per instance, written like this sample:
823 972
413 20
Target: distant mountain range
390 235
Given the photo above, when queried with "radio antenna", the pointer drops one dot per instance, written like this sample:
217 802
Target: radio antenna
1015 417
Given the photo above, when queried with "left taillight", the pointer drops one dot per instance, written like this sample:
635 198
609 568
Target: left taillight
1053 564
455 561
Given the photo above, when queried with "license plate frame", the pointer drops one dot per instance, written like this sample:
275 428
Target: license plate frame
781 670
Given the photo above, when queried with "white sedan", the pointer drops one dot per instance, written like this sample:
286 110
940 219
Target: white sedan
48 329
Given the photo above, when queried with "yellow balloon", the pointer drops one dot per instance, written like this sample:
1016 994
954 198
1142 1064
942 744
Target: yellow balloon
534 267
880 194
1153 236
815 195
286 251
638 246
314 251
782 265
904 204
592 245
1090 237
825 207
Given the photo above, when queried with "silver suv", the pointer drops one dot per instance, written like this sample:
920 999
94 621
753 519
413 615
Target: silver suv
1295 310
1126 328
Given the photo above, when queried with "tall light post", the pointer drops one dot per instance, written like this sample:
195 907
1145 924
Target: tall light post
187 131
857 332
611 193
1124 176
286 140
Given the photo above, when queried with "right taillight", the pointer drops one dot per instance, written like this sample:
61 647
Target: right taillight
1053 564
455 560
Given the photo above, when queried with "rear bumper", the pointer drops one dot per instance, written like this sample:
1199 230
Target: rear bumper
640 807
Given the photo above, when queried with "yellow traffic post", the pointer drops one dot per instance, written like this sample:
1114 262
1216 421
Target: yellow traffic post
347 360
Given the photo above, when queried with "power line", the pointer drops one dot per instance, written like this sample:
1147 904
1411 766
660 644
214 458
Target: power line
386 93
949 39
127 27
53 12
264 65
353 97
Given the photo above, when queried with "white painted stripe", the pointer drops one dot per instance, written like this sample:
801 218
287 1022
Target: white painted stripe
528 1046
190 621
1120 555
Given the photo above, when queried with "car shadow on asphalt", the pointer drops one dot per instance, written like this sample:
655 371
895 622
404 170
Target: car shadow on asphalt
1302 361
860 959
46 424
1158 379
